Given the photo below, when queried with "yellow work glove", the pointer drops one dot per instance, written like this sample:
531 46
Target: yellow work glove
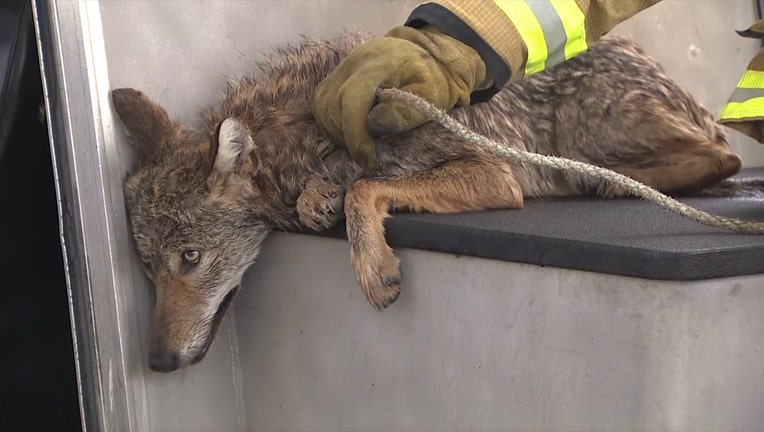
422 61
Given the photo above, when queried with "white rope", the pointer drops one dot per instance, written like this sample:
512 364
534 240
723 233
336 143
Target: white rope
569 165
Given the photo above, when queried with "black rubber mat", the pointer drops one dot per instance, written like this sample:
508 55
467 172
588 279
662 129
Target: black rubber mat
624 237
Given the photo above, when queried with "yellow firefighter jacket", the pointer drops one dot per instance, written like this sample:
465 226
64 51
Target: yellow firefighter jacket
516 38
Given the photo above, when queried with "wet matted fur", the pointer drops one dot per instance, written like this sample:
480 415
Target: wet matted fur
200 203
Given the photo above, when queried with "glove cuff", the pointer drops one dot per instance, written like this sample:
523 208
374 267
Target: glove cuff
461 63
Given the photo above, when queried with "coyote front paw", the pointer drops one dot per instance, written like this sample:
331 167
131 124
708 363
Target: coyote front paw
377 270
320 205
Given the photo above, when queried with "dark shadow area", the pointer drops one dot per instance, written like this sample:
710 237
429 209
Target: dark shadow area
38 378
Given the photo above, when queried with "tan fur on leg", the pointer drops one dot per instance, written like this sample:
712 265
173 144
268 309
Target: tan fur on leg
461 185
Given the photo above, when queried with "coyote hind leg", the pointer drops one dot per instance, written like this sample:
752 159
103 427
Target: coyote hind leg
459 185
679 168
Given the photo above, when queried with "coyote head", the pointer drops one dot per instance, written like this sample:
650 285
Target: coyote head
189 203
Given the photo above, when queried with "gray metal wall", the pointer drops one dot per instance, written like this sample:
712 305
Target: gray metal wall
474 344
626 357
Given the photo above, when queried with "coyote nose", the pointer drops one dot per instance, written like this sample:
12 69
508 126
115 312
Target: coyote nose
164 361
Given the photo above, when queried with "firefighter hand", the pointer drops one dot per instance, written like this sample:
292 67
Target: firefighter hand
424 62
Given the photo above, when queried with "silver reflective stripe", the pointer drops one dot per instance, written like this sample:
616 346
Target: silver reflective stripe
744 94
554 32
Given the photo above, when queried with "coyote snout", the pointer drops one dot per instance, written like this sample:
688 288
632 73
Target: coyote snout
184 326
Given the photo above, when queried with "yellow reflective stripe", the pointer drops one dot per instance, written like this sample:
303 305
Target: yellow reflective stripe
747 101
573 20
752 79
752 109
553 30
523 18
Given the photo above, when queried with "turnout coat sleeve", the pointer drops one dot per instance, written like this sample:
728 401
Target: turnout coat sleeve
516 38
744 110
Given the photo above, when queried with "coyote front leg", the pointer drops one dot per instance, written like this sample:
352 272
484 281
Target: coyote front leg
460 185
319 206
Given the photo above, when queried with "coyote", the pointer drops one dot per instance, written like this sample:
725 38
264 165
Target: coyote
200 203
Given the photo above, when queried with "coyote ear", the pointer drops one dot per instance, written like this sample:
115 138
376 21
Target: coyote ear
147 123
230 147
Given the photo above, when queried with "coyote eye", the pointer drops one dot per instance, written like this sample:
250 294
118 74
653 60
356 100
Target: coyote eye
192 256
